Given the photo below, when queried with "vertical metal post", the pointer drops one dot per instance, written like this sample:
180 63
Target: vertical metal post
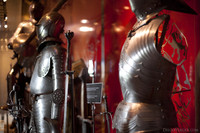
102 44
93 117
106 113
93 111
84 128
102 49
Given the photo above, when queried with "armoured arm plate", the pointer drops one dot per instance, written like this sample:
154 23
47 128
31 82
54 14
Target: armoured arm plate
44 65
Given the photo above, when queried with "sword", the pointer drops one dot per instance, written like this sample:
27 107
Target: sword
65 104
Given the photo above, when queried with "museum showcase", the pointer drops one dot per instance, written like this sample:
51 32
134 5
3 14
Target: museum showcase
100 66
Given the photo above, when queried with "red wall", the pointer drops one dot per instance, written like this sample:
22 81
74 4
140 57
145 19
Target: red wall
118 21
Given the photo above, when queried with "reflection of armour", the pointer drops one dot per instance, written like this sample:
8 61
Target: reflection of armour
146 80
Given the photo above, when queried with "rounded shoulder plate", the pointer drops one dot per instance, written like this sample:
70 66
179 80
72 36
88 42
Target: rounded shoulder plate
44 63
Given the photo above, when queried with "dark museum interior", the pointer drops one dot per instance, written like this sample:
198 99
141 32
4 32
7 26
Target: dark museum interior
99 66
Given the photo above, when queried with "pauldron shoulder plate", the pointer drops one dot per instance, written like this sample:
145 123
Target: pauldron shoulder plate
44 63
45 58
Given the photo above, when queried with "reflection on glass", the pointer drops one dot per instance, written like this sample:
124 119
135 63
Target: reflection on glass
90 68
86 29
84 21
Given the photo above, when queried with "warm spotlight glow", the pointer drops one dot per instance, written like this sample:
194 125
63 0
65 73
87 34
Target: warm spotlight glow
90 67
47 17
86 29
84 21
5 26
126 7
12 70
96 23
6 18
118 28
135 106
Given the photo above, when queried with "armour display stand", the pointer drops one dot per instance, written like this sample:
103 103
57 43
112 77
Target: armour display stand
107 113
94 96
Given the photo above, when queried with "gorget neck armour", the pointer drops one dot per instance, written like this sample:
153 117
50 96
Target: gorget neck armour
146 79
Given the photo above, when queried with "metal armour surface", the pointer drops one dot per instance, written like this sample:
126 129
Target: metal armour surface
50 26
143 8
20 36
146 80
47 82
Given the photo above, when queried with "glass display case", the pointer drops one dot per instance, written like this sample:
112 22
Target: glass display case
100 28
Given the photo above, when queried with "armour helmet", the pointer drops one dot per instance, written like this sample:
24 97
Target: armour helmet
49 27
142 8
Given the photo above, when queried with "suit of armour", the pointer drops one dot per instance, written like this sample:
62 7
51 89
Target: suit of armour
146 76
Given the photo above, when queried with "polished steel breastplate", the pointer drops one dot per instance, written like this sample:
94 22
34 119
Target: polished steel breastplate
146 80
145 76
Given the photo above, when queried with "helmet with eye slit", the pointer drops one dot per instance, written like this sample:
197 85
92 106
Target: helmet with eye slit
49 27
